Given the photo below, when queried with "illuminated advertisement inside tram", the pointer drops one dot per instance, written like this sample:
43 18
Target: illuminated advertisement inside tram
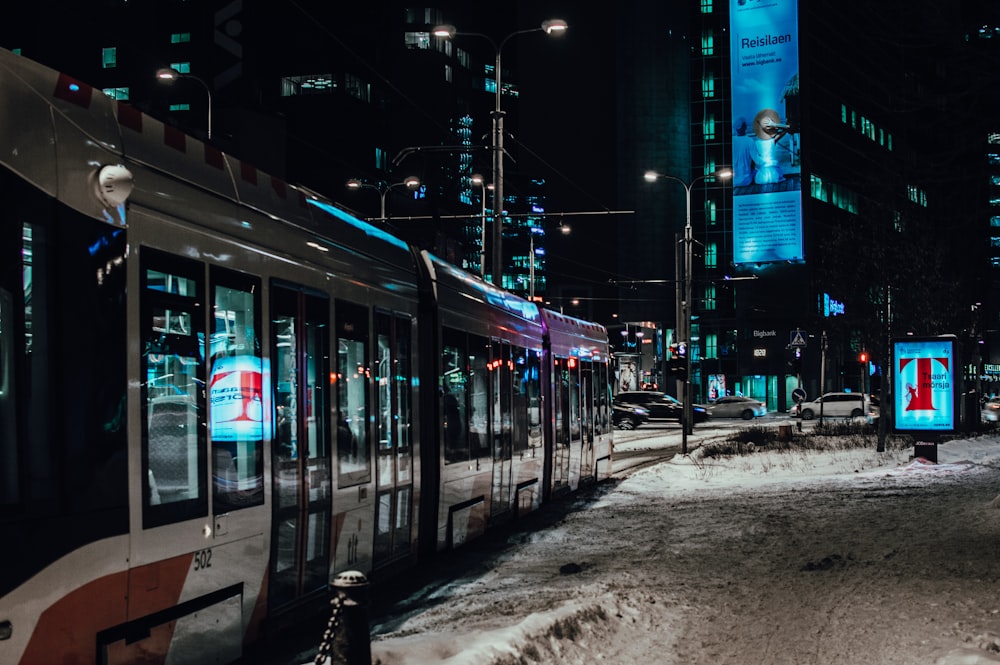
767 183
236 399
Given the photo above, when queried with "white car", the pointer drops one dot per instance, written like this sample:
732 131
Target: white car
737 407
835 405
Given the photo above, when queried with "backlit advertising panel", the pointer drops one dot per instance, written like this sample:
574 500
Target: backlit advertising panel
925 384
767 173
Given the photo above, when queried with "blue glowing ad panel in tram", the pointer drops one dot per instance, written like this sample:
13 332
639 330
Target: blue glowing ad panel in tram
766 162
925 384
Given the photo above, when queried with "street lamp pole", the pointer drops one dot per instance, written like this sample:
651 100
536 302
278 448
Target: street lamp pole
684 324
551 27
169 75
477 179
382 188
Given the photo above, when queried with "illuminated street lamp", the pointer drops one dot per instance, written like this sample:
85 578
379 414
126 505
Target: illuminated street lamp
382 188
684 301
550 27
169 75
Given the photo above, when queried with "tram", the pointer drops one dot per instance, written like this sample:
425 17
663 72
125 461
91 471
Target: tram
219 390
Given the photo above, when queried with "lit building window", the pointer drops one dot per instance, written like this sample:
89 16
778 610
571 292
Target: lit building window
309 84
109 57
381 158
706 6
710 297
181 67
917 195
834 194
993 137
708 86
180 37
711 345
447 73
711 212
707 42
995 221
420 41
180 107
357 88
711 255
708 126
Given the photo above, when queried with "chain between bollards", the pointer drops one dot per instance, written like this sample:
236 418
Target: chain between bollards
347 640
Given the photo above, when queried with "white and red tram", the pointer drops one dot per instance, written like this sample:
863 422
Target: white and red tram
218 390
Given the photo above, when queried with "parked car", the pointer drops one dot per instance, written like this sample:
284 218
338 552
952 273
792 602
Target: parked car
835 405
991 410
628 416
737 407
660 405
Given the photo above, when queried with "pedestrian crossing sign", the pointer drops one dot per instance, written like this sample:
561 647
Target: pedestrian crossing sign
798 338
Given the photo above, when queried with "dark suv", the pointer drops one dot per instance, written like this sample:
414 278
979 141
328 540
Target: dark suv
660 405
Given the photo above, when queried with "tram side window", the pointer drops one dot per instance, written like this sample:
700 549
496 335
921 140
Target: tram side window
479 396
601 389
454 386
174 484
519 415
574 414
533 393
238 390
560 386
401 383
383 394
9 488
63 348
353 387
588 402
392 396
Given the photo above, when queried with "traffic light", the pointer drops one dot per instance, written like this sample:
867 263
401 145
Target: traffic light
796 362
863 357
677 367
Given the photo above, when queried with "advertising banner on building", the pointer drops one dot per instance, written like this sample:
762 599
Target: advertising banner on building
767 182
925 385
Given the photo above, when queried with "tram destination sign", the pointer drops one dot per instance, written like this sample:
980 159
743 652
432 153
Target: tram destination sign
925 384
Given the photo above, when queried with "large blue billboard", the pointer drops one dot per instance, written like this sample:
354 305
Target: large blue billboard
767 182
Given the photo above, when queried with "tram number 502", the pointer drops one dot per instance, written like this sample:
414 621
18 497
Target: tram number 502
203 559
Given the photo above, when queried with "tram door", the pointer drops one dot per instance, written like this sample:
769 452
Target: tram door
566 390
394 511
588 407
502 413
300 536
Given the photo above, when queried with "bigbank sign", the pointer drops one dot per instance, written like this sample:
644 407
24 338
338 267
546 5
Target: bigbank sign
767 183
925 387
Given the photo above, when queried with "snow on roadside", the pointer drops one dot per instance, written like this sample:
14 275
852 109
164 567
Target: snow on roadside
778 558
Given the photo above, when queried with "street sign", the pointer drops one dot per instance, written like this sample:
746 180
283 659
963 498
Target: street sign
799 395
798 338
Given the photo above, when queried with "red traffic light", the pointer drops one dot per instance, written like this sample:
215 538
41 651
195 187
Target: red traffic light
863 357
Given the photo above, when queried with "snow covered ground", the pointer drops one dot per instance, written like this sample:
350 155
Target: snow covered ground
774 558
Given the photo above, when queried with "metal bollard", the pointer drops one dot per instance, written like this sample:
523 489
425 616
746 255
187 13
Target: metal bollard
347 639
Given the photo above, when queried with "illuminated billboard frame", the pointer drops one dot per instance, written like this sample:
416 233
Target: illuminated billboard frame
766 161
925 386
